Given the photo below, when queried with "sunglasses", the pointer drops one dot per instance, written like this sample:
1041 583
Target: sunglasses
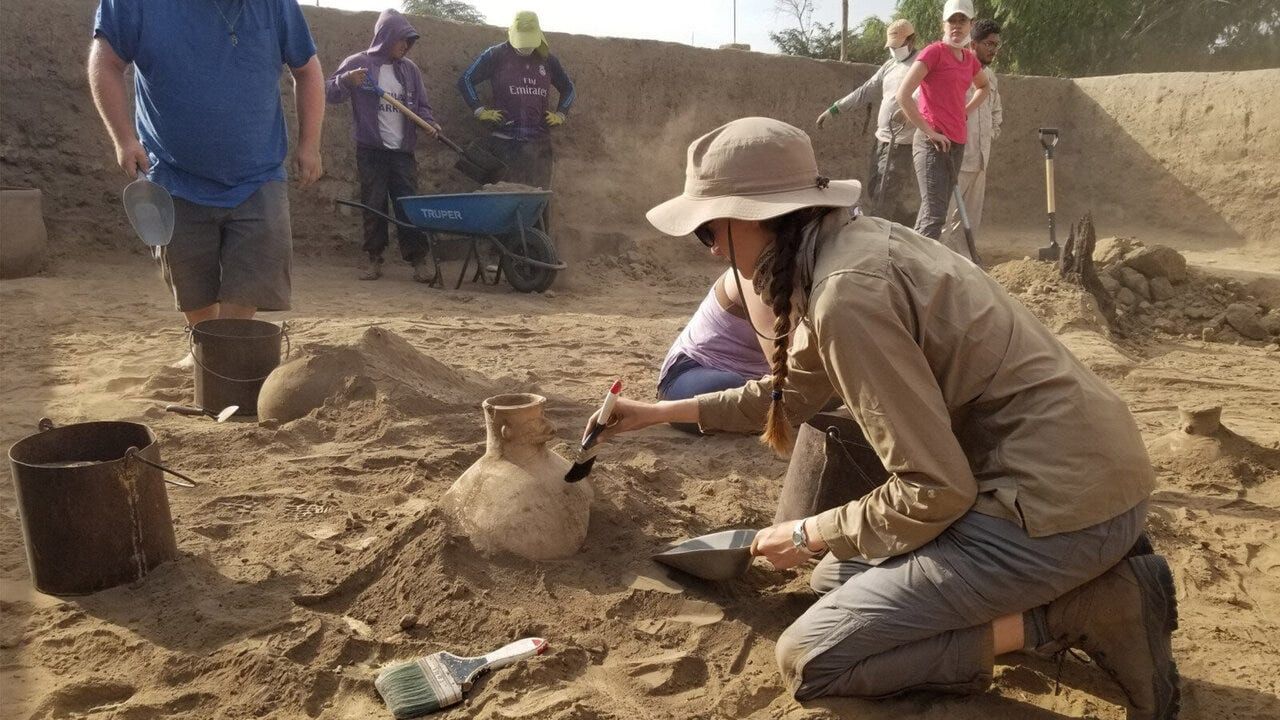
705 235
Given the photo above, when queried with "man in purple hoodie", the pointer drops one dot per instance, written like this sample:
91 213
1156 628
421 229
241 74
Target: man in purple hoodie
385 139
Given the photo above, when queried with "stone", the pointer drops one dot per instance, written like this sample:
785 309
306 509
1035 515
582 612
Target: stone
1110 284
1271 322
1244 319
1126 297
1198 312
1161 288
1136 282
1111 250
408 621
1158 261
1165 325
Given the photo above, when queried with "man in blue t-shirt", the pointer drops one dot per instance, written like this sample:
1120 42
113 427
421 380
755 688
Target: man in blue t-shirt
209 127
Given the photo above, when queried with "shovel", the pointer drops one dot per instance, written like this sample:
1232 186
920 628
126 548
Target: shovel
149 208
963 212
1048 140
190 411
718 556
473 162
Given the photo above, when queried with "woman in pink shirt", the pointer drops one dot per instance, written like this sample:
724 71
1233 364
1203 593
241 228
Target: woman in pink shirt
943 72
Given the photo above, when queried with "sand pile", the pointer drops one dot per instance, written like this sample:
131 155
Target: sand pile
380 365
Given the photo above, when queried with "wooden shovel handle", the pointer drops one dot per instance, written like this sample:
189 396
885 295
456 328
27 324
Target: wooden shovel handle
431 129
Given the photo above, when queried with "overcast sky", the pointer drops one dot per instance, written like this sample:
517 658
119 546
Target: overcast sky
706 23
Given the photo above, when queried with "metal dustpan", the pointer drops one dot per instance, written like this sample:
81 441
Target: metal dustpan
718 556
150 211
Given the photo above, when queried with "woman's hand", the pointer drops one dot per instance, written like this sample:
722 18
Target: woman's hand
775 545
628 416
942 141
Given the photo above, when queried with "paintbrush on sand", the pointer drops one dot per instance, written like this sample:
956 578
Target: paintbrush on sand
586 458
437 681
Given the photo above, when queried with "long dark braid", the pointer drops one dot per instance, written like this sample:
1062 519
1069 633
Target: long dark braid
789 230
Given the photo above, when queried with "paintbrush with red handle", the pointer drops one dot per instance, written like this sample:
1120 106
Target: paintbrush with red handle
586 458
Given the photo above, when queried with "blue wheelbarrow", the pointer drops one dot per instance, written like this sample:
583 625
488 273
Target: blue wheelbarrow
509 223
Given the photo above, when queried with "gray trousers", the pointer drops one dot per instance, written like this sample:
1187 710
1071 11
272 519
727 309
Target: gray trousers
936 180
922 621
889 188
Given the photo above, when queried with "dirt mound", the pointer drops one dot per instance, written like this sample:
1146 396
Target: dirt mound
1061 305
380 364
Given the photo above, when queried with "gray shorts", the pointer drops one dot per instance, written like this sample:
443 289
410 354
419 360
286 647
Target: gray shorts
240 255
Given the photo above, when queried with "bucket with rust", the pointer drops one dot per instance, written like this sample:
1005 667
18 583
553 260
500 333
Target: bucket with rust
92 503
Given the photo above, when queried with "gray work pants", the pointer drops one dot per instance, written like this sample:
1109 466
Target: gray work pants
936 180
888 190
922 621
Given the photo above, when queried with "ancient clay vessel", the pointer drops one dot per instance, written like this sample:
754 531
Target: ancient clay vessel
515 498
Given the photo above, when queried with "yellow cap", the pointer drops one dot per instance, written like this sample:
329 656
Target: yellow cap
898 31
526 34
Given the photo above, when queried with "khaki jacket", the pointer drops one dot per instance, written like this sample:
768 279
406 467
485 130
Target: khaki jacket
968 399
984 126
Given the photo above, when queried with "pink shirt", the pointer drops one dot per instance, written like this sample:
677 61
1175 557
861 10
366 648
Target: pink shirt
942 92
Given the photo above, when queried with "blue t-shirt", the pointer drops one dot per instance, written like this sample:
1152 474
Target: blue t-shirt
208 111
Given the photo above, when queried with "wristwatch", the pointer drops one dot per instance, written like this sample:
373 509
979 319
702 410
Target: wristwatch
800 538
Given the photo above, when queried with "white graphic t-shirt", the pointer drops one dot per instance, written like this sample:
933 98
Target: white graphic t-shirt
390 121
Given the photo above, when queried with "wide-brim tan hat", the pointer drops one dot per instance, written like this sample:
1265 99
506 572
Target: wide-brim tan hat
750 169
898 31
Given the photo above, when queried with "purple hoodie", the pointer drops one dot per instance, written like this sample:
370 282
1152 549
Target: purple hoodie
391 27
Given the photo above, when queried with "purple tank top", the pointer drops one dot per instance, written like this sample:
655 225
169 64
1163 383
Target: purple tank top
718 339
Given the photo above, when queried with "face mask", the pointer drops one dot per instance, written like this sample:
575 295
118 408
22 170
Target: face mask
900 53
960 45
525 51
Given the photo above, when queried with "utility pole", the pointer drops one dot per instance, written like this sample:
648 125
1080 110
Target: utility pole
844 29
735 22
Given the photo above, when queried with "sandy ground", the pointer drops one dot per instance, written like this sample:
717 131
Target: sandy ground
307 543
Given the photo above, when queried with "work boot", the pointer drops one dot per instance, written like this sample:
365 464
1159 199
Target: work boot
372 268
1123 620
424 271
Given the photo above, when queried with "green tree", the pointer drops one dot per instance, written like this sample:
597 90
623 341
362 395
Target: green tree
1100 37
807 38
456 10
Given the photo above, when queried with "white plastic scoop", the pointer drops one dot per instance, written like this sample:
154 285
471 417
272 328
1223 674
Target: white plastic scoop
149 208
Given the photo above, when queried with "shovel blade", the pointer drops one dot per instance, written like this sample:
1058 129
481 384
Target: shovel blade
1051 253
481 165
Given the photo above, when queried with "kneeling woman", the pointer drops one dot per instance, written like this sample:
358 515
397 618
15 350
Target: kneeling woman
1018 485
718 348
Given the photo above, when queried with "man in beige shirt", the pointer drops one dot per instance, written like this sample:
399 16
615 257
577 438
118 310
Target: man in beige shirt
1018 482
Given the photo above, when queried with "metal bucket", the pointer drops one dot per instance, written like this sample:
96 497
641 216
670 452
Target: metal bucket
233 359
832 464
92 505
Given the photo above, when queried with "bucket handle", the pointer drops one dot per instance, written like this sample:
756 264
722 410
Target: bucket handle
134 454
288 350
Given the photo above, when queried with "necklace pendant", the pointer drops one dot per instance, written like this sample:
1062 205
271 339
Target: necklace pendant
234 40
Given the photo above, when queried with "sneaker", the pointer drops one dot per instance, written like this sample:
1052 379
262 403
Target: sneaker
372 269
185 363
1123 620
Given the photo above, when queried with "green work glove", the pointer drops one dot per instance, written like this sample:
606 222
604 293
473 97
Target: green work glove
555 118
484 114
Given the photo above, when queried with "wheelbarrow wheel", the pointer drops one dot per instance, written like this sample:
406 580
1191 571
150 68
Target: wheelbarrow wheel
523 276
